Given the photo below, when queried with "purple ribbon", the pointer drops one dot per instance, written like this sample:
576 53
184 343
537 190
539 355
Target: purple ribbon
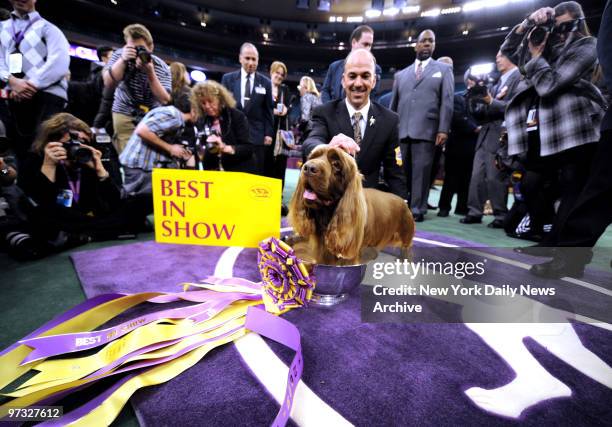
286 333
53 345
19 35
73 312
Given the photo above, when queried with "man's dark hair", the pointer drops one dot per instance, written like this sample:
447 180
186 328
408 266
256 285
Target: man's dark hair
575 11
103 50
357 32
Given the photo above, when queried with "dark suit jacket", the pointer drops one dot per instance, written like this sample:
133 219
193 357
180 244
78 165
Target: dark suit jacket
234 132
259 108
462 138
377 147
332 85
492 116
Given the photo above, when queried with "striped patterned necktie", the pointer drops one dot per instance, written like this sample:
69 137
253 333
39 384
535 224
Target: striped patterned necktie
357 127
419 70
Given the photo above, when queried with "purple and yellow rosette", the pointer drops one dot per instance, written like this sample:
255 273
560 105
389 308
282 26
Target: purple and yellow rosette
286 283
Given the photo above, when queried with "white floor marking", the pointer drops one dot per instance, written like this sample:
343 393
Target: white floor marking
308 408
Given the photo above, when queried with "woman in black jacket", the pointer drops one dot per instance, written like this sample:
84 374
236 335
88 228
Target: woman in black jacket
225 130
73 194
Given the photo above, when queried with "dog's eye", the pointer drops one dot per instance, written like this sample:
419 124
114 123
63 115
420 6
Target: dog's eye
336 165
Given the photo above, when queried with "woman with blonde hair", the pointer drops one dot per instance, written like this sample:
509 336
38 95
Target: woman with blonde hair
227 142
276 154
180 86
310 97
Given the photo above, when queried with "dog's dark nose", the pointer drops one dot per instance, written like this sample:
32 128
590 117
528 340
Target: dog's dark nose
310 169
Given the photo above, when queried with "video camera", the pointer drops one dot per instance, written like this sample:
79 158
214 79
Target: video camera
76 152
203 136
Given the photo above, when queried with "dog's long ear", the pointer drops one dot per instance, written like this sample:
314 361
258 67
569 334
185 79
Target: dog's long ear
345 232
298 219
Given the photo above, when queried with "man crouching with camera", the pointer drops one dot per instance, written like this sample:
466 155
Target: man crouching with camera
142 80
73 197
557 118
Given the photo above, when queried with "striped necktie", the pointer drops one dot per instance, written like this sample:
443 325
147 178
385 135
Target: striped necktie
357 127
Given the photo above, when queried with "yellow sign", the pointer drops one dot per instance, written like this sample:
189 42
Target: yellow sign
215 208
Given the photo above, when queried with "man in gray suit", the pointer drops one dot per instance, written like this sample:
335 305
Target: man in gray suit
487 181
423 98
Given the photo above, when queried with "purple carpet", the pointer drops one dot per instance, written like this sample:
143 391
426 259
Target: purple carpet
371 374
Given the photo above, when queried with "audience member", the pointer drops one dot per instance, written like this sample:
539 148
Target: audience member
372 128
557 118
362 37
74 196
181 92
488 182
459 155
228 145
309 98
423 98
276 154
34 62
142 82
253 93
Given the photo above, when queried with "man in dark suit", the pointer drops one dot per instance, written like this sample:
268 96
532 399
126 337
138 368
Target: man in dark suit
253 94
362 37
360 126
423 98
487 181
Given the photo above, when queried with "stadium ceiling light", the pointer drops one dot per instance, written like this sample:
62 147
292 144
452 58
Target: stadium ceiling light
312 40
372 13
197 76
339 19
332 19
391 11
474 5
114 2
203 24
265 36
431 12
465 32
450 10
353 19
504 28
411 9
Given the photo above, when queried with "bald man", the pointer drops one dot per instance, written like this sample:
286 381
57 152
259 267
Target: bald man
360 126
253 94
423 98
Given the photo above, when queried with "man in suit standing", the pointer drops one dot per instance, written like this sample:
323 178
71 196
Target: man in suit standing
487 181
362 37
253 94
361 127
423 98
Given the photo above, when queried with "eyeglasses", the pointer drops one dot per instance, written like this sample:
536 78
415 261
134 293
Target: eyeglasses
567 26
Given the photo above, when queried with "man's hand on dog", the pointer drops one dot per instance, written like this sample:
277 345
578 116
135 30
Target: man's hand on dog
345 143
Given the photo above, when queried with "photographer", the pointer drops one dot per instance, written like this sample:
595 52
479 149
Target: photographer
71 189
142 81
487 181
153 145
227 144
557 118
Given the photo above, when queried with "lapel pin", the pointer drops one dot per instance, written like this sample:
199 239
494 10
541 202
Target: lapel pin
372 121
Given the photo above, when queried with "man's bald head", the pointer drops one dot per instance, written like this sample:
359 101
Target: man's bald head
426 44
360 56
446 60
359 77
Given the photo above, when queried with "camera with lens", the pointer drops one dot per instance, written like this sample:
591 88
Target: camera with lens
76 152
481 76
143 54
102 143
203 135
538 34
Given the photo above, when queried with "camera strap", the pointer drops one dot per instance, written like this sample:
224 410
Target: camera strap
75 185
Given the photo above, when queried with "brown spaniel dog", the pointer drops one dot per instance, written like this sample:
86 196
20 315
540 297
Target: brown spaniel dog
338 217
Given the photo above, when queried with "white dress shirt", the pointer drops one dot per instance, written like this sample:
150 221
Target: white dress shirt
364 115
243 75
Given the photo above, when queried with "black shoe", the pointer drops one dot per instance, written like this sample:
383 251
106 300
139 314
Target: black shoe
432 207
419 217
284 210
543 251
498 223
443 213
558 267
468 219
